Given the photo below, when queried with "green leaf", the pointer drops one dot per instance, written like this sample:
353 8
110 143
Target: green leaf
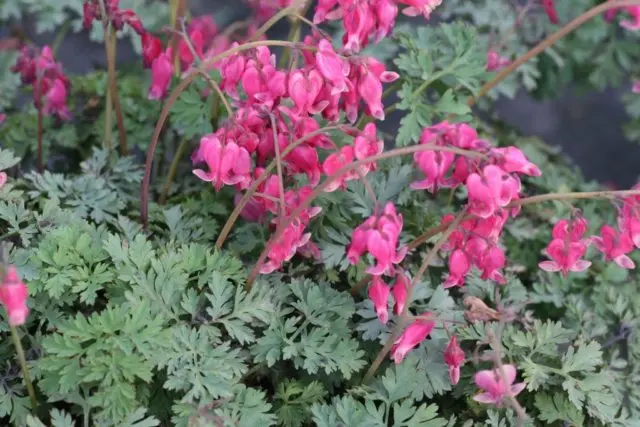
191 115
586 358
293 400
557 407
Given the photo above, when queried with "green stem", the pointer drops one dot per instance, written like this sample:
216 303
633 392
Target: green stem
110 46
40 155
108 120
62 34
173 169
23 365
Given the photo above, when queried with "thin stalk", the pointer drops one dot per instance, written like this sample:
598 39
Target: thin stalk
550 41
39 154
294 32
276 145
108 127
23 366
178 8
62 34
110 47
173 169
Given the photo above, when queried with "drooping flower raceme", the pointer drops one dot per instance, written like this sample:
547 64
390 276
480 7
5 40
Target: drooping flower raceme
491 176
13 295
50 85
494 386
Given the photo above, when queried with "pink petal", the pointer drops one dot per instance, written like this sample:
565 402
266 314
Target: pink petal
485 398
550 266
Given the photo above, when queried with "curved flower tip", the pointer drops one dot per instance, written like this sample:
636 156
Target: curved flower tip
494 387
454 358
379 295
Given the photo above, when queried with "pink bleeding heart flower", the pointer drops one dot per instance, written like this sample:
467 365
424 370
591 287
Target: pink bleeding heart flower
415 333
185 52
367 144
615 246
232 69
495 62
492 261
323 10
454 358
565 256
486 191
459 266
400 292
512 159
228 163
2 118
379 236
13 295
55 100
336 161
151 49
304 88
379 295
636 87
386 12
161 74
370 89
286 246
494 387
332 68
434 165
420 7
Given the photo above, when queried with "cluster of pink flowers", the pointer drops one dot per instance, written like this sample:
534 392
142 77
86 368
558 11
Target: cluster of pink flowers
13 295
363 20
204 41
273 108
633 13
379 293
44 74
569 245
492 181
118 17
378 236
